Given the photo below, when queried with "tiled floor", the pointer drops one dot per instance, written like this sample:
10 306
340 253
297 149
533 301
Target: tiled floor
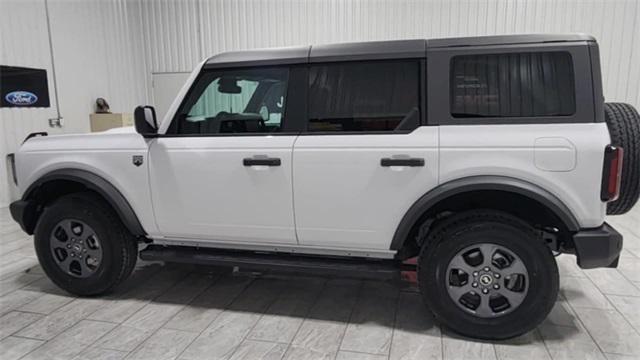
185 312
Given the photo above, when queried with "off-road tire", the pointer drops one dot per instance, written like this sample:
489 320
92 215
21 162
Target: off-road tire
487 226
623 122
119 247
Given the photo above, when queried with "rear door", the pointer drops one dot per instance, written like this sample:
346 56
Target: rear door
364 157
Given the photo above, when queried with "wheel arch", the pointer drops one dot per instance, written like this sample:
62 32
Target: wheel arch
64 181
515 188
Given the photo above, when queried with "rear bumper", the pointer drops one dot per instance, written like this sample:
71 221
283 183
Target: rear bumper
599 247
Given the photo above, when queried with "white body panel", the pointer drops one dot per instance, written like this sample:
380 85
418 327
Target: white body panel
516 151
344 201
202 190
106 154
344 198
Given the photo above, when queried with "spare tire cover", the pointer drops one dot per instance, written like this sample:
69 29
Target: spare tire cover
623 122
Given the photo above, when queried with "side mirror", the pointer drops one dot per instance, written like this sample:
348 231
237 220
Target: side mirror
145 120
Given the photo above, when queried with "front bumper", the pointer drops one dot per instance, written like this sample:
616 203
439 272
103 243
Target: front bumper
599 247
24 213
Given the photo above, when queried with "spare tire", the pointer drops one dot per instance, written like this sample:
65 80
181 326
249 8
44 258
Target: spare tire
623 122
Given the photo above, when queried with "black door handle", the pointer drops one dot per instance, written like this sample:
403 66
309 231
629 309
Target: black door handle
402 162
261 161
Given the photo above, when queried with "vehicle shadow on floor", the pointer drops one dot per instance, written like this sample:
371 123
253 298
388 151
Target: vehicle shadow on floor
201 290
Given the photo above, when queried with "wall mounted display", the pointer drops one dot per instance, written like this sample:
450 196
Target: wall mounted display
23 87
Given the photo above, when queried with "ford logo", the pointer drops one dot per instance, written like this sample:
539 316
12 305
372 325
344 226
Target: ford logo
21 98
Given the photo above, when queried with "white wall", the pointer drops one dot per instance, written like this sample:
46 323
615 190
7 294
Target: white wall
23 42
110 48
179 34
97 51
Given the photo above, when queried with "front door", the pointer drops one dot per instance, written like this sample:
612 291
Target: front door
223 170
364 158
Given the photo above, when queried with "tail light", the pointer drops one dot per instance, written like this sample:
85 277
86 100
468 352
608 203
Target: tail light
611 173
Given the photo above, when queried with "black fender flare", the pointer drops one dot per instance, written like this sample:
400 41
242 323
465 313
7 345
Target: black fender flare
96 183
473 183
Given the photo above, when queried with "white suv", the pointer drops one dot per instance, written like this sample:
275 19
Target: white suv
483 157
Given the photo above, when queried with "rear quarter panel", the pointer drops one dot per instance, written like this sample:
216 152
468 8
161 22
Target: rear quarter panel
564 159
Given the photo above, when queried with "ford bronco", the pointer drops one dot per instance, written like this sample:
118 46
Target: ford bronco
481 157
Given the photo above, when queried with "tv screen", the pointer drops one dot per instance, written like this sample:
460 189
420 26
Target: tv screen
23 87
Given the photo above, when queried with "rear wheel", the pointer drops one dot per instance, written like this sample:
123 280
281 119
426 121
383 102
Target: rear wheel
83 246
486 274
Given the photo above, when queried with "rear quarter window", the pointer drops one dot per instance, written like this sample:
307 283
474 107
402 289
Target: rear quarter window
527 84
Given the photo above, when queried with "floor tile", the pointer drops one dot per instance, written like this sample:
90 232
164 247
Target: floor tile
47 303
349 355
62 319
562 315
131 302
629 307
567 266
192 312
71 342
283 318
524 347
152 316
264 350
581 292
14 347
630 269
620 357
371 325
416 336
569 343
208 305
15 267
123 338
322 331
16 299
16 321
611 282
456 347
304 353
100 354
165 344
16 282
220 339
611 331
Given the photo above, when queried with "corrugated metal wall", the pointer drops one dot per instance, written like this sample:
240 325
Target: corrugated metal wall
109 48
97 53
97 48
23 42
179 34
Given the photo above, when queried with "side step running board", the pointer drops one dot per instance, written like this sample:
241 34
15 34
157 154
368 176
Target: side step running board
349 267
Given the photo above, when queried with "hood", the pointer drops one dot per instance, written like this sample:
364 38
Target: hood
117 139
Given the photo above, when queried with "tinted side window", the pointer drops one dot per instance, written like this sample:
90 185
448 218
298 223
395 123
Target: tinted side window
234 101
364 96
513 85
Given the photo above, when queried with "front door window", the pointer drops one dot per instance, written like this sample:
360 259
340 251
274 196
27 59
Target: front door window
234 101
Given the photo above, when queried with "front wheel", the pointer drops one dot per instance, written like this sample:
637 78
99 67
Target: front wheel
487 274
82 245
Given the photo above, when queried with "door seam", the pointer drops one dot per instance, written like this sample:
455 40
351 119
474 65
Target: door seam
293 199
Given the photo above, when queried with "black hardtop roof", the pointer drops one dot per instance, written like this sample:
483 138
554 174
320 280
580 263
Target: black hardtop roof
375 50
